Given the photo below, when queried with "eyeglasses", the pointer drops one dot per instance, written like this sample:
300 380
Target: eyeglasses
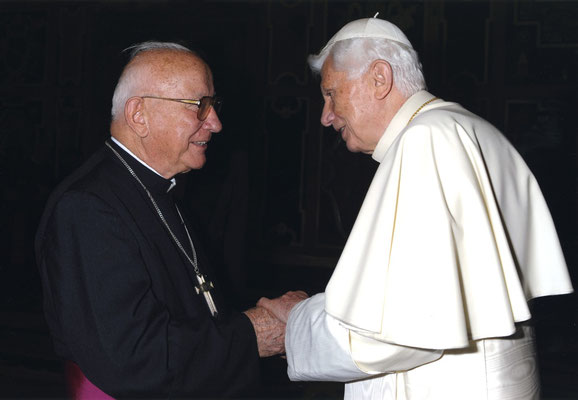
204 103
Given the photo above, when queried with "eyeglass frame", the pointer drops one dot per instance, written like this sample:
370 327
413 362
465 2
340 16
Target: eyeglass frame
215 103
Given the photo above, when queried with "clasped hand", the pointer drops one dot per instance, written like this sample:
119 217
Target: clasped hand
269 318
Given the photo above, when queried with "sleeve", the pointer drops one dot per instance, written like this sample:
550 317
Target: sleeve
104 313
320 348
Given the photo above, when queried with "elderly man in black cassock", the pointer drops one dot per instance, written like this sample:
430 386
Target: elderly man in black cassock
129 298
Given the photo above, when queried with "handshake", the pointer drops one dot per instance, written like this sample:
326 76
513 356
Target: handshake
269 318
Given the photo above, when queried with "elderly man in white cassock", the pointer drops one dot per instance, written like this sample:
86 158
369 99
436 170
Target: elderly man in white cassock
429 299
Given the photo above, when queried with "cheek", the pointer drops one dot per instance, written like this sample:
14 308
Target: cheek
348 104
358 101
341 107
186 129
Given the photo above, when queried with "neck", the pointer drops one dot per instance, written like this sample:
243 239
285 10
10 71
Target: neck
394 102
389 108
134 144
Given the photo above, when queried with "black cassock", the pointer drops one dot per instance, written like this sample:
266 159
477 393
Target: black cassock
119 295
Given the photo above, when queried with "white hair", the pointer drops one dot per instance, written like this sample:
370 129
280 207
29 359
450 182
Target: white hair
128 81
356 55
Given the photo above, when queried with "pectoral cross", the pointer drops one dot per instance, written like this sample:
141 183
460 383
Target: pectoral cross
204 288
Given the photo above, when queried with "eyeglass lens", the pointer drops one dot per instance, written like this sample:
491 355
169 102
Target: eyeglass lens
205 107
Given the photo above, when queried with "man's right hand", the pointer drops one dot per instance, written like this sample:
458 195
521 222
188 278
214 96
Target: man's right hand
282 306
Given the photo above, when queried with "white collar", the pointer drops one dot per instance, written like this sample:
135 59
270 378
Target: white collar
173 180
399 122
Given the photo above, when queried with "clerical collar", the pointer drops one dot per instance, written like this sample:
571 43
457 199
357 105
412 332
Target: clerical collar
419 101
119 144
151 178
153 181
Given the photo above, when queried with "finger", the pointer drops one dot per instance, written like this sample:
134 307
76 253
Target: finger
300 294
264 302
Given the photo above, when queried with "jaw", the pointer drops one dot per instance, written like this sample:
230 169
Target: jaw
194 157
351 147
348 138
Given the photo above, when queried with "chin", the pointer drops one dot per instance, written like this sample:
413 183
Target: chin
196 162
352 148
196 166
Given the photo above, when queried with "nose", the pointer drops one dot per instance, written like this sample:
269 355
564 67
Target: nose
212 122
327 115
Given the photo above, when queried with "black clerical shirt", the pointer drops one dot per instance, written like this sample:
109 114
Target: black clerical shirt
119 295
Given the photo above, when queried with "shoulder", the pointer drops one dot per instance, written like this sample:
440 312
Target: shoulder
89 183
449 124
443 140
96 176
451 117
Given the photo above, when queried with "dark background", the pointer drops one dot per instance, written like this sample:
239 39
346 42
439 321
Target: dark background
279 193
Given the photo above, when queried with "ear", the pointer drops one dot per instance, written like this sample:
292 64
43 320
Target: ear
382 77
134 115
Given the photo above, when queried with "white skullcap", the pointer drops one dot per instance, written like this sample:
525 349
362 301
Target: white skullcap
368 28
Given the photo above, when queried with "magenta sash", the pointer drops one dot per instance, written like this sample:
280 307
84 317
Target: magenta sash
79 387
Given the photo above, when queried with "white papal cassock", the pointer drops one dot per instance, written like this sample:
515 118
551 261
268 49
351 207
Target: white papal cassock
429 297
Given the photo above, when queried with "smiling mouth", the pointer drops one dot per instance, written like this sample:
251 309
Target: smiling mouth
201 143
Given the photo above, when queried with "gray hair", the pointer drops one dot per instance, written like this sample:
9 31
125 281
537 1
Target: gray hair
128 82
355 56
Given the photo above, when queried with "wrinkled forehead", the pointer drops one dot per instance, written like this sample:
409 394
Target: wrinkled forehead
166 69
330 76
326 70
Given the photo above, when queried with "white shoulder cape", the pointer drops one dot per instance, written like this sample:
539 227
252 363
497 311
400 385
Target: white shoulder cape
453 237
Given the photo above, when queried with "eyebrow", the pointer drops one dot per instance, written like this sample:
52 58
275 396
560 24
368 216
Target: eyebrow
325 90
